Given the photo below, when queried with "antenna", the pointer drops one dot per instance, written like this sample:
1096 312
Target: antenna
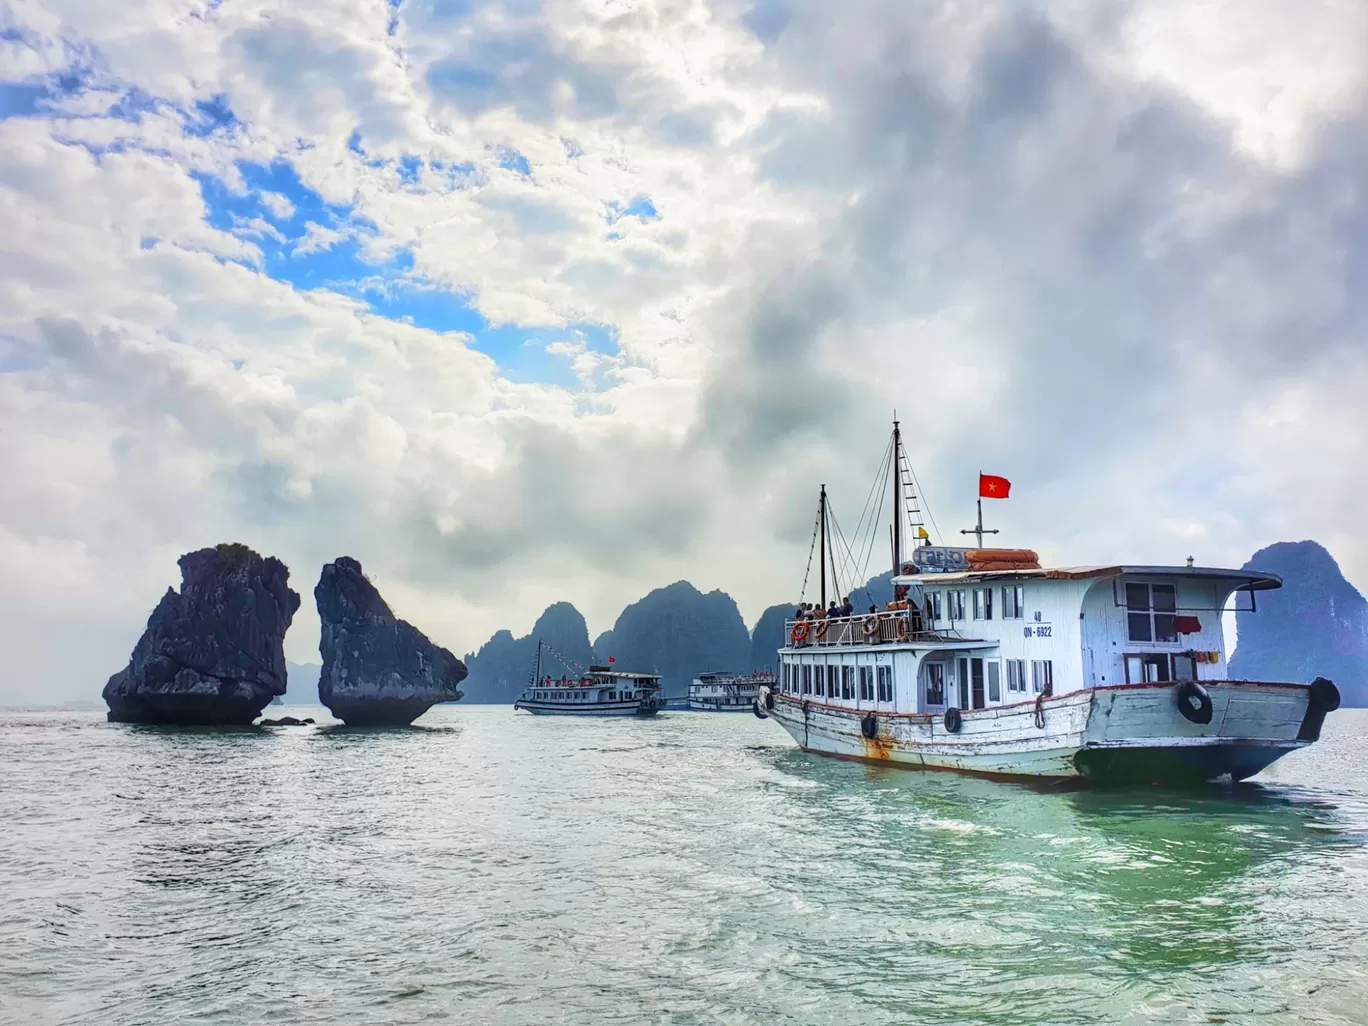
979 531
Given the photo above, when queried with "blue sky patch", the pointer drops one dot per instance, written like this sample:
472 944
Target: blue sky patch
387 285
512 160
640 207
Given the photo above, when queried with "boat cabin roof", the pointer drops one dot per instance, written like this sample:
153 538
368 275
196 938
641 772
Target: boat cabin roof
620 675
1254 580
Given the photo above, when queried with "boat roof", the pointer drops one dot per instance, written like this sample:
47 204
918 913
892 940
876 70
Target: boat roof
1254 580
623 674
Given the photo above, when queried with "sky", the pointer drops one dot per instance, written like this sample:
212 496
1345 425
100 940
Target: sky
518 302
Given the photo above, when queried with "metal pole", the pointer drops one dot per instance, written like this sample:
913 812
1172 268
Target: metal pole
897 500
823 553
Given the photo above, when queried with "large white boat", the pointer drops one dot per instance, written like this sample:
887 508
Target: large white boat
597 691
727 692
988 663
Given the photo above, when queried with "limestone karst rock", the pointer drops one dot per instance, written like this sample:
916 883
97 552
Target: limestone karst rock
214 653
504 664
377 670
1315 625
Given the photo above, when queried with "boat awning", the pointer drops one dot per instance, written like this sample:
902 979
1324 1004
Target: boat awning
1252 580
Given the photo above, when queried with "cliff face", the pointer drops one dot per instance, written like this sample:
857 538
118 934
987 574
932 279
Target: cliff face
214 653
1315 625
678 632
377 670
767 637
502 668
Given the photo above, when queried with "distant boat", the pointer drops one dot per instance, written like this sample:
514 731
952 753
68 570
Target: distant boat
987 663
726 692
597 691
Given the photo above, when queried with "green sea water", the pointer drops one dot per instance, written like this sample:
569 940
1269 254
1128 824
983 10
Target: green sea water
492 867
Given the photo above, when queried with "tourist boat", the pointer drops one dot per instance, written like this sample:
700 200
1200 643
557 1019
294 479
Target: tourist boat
727 692
598 691
989 663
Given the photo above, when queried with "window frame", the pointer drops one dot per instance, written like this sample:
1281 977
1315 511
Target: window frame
954 604
847 682
866 677
983 604
883 675
1016 676
1042 676
1013 602
935 679
1150 616
992 672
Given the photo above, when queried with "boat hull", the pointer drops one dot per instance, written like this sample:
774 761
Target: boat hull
699 706
1132 734
606 709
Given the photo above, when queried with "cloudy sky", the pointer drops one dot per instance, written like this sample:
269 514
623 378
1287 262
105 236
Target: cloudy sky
527 301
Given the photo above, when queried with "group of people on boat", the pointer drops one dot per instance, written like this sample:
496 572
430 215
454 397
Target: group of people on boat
814 611
564 682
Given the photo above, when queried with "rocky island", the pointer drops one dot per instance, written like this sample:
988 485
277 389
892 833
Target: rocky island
377 670
214 653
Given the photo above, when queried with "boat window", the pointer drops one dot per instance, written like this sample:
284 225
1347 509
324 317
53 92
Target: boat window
885 683
983 603
833 681
935 683
1013 602
1184 667
1151 668
976 682
933 605
954 602
1042 676
994 681
1151 612
807 679
866 684
1016 675
847 682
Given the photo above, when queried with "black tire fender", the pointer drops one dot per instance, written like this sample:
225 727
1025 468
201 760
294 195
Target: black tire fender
1193 702
953 720
759 710
1322 697
1324 694
869 726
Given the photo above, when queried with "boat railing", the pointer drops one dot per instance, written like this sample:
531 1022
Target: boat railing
886 626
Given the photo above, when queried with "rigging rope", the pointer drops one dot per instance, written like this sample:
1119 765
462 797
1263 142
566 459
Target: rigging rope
816 526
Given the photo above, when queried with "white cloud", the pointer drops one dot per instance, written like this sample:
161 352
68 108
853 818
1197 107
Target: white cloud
1092 248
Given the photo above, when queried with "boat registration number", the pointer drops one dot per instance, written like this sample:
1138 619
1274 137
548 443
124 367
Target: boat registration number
1040 630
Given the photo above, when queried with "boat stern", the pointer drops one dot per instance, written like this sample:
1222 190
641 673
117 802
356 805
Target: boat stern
1190 732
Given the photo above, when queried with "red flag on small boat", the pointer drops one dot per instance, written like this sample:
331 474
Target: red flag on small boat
611 659
993 487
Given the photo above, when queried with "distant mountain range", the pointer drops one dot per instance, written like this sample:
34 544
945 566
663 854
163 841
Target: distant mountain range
1316 625
676 631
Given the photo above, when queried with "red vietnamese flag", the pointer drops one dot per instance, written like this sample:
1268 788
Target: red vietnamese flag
993 487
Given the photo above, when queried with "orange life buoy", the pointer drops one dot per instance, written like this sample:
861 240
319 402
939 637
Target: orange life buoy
800 632
870 625
822 628
903 629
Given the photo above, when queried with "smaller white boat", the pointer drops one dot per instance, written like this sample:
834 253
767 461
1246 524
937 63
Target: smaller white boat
727 692
598 691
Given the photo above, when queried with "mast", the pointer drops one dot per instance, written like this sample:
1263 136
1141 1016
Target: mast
897 499
536 677
822 515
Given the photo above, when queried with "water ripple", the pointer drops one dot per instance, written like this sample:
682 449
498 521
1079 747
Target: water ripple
496 868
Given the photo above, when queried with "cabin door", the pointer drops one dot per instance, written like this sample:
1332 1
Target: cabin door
976 681
962 679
